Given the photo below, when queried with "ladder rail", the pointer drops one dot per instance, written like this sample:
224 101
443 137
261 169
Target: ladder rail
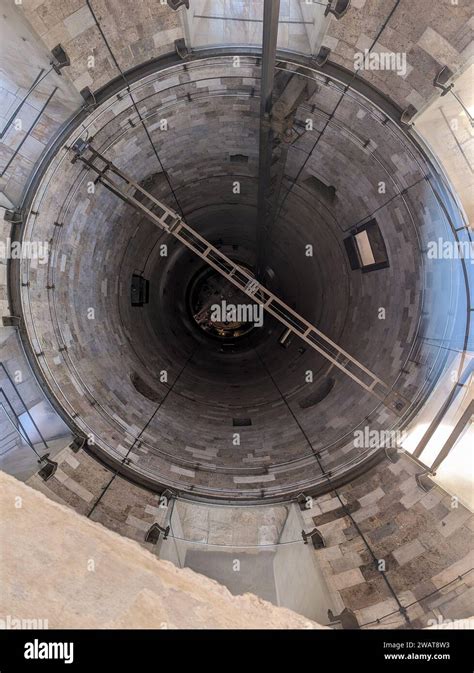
268 297
170 222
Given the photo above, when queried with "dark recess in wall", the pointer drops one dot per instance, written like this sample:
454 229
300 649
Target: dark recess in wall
317 186
239 159
376 244
241 422
145 389
140 290
318 395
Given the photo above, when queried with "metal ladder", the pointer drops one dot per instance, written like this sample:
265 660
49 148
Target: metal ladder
169 221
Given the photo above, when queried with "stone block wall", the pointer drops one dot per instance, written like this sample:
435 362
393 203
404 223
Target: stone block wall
25 130
136 33
425 541
432 35
130 510
430 38
212 114
93 578
425 538
80 482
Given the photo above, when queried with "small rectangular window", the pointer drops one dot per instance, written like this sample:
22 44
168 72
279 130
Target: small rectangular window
239 159
140 290
366 248
241 422
318 395
327 192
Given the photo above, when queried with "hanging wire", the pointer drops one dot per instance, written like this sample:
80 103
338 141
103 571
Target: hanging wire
401 609
419 600
127 84
331 116
137 438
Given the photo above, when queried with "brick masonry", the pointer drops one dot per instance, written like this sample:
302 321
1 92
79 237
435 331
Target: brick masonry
426 541
428 557
203 102
429 37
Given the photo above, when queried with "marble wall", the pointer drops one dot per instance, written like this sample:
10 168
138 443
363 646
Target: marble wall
425 540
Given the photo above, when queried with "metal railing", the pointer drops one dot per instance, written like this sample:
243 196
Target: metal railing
197 60
169 221
15 417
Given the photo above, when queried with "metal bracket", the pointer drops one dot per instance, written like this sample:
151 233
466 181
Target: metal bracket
424 482
441 80
302 500
48 469
154 532
408 114
346 619
13 216
168 494
79 147
77 444
89 98
11 321
338 7
392 453
315 536
176 4
322 56
60 58
181 48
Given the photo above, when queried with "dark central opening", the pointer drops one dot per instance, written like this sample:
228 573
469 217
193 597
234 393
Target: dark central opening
220 309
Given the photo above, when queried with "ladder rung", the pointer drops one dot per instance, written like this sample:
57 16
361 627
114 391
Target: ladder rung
238 277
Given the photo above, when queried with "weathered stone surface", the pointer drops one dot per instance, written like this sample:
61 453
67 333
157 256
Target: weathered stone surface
347 579
413 544
408 551
128 587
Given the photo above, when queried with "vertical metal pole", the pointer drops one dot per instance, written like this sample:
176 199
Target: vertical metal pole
271 12
454 436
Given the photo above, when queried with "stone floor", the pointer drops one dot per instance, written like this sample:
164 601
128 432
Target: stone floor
240 572
93 578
